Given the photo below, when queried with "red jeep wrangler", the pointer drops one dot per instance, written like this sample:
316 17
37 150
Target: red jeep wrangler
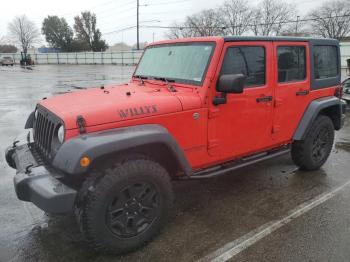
194 108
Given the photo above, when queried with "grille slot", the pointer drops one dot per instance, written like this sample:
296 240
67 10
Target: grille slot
44 129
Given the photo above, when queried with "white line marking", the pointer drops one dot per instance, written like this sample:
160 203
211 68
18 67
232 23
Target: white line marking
233 248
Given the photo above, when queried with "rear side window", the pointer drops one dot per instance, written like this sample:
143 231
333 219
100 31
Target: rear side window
247 60
291 63
325 61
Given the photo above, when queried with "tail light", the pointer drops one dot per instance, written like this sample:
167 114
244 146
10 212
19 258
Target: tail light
339 92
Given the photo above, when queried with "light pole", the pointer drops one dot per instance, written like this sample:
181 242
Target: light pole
296 26
138 26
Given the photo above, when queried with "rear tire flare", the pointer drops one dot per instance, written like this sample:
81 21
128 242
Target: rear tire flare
303 150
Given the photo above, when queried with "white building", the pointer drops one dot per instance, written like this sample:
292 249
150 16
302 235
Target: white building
345 54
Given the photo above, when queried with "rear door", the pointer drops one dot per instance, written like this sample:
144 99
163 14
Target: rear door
292 87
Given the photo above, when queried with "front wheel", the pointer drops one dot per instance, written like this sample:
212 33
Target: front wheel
122 208
312 152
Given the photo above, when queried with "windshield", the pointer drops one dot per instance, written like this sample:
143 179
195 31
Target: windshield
183 63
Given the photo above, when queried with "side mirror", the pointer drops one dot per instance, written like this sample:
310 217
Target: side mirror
233 83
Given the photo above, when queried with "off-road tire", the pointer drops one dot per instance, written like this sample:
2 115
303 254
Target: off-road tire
312 152
107 187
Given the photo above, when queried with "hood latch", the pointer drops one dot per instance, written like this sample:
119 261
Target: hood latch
81 124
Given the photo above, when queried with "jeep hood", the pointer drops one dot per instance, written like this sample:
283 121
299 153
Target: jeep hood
113 103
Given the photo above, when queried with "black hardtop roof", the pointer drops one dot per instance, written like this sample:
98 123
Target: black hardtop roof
281 38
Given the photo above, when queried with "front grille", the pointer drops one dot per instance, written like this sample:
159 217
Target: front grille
45 127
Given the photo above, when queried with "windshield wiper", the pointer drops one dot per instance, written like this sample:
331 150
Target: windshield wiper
167 81
164 79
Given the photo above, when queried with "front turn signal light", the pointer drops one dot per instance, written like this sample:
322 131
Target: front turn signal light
84 161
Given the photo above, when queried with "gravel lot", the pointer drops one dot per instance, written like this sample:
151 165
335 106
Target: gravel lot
208 214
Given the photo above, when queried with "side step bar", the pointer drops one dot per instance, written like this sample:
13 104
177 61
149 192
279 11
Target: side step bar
242 162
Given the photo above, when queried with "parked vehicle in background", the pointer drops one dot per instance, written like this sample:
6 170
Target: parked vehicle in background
26 60
195 108
6 61
346 85
346 91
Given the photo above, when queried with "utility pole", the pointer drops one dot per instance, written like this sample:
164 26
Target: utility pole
137 25
296 26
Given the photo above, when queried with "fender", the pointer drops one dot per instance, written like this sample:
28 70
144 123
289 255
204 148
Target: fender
313 110
99 144
30 121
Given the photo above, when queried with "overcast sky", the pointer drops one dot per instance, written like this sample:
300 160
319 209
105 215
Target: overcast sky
113 15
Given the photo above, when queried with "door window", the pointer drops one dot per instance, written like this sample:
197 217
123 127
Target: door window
291 63
247 60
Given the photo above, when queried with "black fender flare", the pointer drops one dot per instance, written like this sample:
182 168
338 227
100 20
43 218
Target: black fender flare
99 144
30 121
313 110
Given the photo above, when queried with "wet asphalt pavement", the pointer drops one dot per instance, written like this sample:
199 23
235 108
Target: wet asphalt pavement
207 214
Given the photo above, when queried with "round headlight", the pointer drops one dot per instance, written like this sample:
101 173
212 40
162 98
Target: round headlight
60 134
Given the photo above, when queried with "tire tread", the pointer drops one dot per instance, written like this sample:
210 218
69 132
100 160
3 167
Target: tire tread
100 180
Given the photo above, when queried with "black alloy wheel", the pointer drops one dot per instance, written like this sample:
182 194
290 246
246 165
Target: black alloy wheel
124 205
320 144
133 210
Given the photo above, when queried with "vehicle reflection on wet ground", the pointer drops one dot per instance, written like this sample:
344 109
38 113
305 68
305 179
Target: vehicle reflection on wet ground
207 214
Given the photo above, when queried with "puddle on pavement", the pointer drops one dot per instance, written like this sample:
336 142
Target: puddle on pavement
343 146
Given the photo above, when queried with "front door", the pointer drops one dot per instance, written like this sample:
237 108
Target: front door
243 125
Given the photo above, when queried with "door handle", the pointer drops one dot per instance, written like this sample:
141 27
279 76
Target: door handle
264 99
302 93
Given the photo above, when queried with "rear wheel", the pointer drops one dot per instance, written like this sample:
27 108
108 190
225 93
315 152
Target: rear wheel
312 152
123 207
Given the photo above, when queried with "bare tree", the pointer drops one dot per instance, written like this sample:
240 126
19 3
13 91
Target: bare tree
298 27
177 30
23 32
271 17
235 15
332 19
8 48
205 23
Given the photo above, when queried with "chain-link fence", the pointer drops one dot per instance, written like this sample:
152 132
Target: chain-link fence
120 58
82 58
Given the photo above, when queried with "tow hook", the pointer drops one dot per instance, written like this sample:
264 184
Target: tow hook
28 170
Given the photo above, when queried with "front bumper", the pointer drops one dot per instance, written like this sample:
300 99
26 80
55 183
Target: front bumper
35 183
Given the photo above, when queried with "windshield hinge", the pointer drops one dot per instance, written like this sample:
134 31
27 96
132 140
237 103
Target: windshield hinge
171 88
142 83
